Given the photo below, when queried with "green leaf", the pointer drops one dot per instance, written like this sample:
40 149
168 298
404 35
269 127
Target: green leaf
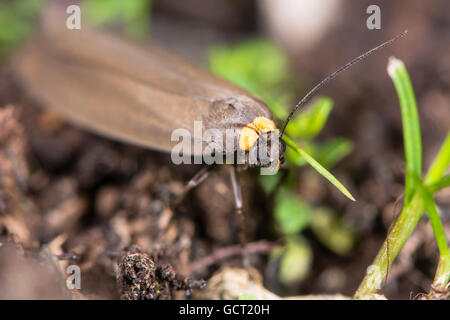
295 262
277 104
310 123
292 215
258 66
247 296
134 15
332 231
332 151
410 119
253 61
100 12
268 182
16 21
319 168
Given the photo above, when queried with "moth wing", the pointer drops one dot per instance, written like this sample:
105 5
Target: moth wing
105 102
134 94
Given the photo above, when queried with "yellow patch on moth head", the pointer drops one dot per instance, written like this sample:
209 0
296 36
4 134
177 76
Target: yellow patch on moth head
250 133
264 124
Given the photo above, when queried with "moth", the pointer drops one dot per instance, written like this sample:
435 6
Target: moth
140 95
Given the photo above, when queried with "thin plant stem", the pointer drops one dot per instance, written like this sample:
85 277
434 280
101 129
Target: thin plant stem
400 232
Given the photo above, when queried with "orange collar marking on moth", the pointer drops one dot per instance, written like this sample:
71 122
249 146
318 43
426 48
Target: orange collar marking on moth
250 133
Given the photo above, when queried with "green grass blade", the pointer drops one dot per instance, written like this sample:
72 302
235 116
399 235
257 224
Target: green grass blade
404 226
412 210
436 224
247 296
440 184
319 168
433 214
410 119
440 163
442 277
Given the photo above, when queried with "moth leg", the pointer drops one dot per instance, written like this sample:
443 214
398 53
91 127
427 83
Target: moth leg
237 192
197 179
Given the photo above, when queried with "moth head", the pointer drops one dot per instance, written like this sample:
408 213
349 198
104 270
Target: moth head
262 140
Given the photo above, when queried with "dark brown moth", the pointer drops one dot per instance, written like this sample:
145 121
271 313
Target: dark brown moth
140 95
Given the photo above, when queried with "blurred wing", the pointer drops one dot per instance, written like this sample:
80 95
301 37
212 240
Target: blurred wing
102 83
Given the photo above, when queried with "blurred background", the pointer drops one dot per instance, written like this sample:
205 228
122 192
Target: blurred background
80 193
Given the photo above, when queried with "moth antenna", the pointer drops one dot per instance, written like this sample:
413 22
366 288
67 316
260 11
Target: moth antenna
306 98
